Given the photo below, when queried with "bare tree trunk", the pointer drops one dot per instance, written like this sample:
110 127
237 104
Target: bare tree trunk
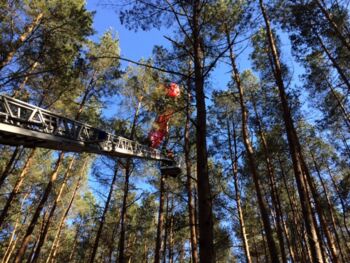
342 201
334 62
205 214
17 186
294 147
145 253
12 243
234 163
191 208
166 227
127 166
171 233
111 243
158 247
45 215
28 31
323 222
295 220
73 247
340 104
105 210
272 180
54 246
252 162
9 165
330 210
42 237
30 229
332 23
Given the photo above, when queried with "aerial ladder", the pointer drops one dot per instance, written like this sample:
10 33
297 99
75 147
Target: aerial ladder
24 124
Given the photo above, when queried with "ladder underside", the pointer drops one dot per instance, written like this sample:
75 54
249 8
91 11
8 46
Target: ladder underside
30 126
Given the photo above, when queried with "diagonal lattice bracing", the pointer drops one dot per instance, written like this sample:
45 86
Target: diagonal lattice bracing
24 124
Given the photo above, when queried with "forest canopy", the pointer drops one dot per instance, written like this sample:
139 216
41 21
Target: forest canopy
264 152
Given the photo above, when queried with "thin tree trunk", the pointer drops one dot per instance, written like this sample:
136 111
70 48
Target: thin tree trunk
28 31
340 104
73 247
191 208
24 82
158 247
329 205
166 227
111 247
9 165
324 224
336 28
334 62
29 259
252 162
272 180
105 210
205 214
42 237
54 246
12 242
294 147
342 201
17 186
127 166
145 253
295 219
171 233
30 229
234 163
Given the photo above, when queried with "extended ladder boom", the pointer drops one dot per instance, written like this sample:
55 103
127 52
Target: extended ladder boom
24 124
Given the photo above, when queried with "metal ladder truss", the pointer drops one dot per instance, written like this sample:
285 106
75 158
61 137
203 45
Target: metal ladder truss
24 124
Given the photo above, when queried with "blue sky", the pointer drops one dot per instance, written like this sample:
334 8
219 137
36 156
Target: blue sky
138 45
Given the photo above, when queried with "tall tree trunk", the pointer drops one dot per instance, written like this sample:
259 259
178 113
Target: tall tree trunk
320 213
191 208
334 62
333 25
340 104
272 180
112 242
166 227
105 210
127 166
252 162
330 208
294 146
30 229
171 233
234 163
36 240
28 31
205 220
54 246
158 247
295 220
17 186
8 167
12 242
42 237
342 201
73 247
